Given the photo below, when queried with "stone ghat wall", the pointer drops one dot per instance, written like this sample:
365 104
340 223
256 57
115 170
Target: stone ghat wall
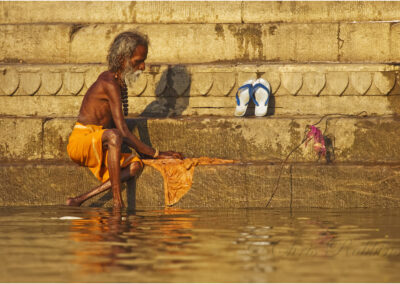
332 57
203 32
201 89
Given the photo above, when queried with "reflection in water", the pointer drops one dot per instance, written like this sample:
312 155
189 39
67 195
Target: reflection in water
121 235
173 245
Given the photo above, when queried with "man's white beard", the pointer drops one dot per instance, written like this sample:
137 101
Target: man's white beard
130 76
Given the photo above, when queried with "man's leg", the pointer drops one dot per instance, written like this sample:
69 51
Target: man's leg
126 173
112 141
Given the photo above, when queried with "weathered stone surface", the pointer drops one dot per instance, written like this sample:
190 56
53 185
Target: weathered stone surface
197 12
359 46
217 186
336 83
124 11
223 84
273 79
199 80
299 42
201 83
20 139
346 186
9 81
73 83
384 81
190 43
319 11
360 82
313 83
68 106
55 138
291 82
43 184
30 83
347 139
51 83
395 41
35 43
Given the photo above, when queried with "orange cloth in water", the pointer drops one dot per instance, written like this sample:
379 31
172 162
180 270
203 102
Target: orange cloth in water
178 174
85 148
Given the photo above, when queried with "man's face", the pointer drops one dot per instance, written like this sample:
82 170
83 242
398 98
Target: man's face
134 66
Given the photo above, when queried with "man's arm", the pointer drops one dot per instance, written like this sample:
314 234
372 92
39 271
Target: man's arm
130 139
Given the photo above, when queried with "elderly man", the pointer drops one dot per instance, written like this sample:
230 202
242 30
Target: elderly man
96 139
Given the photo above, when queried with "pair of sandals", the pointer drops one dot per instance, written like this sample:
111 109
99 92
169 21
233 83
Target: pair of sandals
259 91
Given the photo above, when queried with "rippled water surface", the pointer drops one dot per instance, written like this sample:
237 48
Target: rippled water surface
60 244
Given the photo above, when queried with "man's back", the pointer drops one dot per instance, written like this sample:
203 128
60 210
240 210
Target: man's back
95 107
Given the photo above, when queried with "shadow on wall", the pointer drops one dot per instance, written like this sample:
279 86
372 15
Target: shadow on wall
172 94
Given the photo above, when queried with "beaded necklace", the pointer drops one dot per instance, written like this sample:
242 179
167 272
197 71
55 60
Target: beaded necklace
124 94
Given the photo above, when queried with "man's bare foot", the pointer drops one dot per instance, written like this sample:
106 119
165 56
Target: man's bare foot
72 202
117 204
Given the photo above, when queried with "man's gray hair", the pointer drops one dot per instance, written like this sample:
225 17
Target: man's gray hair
123 48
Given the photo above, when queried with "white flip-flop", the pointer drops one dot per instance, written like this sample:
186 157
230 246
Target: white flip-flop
260 96
243 97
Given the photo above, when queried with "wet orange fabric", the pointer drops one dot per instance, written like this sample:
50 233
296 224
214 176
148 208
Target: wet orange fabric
85 148
178 174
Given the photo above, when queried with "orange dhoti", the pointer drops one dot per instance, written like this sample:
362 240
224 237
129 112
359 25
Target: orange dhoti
85 148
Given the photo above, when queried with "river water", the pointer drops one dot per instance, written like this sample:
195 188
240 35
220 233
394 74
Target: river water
62 244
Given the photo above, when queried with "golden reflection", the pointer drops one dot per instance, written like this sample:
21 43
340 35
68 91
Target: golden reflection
114 240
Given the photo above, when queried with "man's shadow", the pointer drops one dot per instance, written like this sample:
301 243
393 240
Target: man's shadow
171 100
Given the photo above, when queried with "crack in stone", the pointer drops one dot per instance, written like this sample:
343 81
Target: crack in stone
340 43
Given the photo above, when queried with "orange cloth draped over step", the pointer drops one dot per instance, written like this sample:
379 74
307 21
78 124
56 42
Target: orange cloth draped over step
178 174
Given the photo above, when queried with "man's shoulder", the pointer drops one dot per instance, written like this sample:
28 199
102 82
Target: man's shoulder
107 81
107 77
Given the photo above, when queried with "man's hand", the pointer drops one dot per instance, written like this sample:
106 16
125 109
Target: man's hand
170 155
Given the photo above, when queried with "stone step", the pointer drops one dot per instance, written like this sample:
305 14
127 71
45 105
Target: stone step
205 43
215 186
349 139
205 81
173 12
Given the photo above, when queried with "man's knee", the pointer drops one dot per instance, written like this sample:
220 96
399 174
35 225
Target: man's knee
134 168
113 137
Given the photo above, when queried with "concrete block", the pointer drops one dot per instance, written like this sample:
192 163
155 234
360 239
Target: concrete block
51 83
214 186
55 138
223 84
395 41
317 12
365 139
43 184
201 83
384 81
30 83
360 82
274 79
121 12
35 43
20 139
313 83
336 83
291 82
9 81
300 42
344 186
187 12
357 42
50 106
73 83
